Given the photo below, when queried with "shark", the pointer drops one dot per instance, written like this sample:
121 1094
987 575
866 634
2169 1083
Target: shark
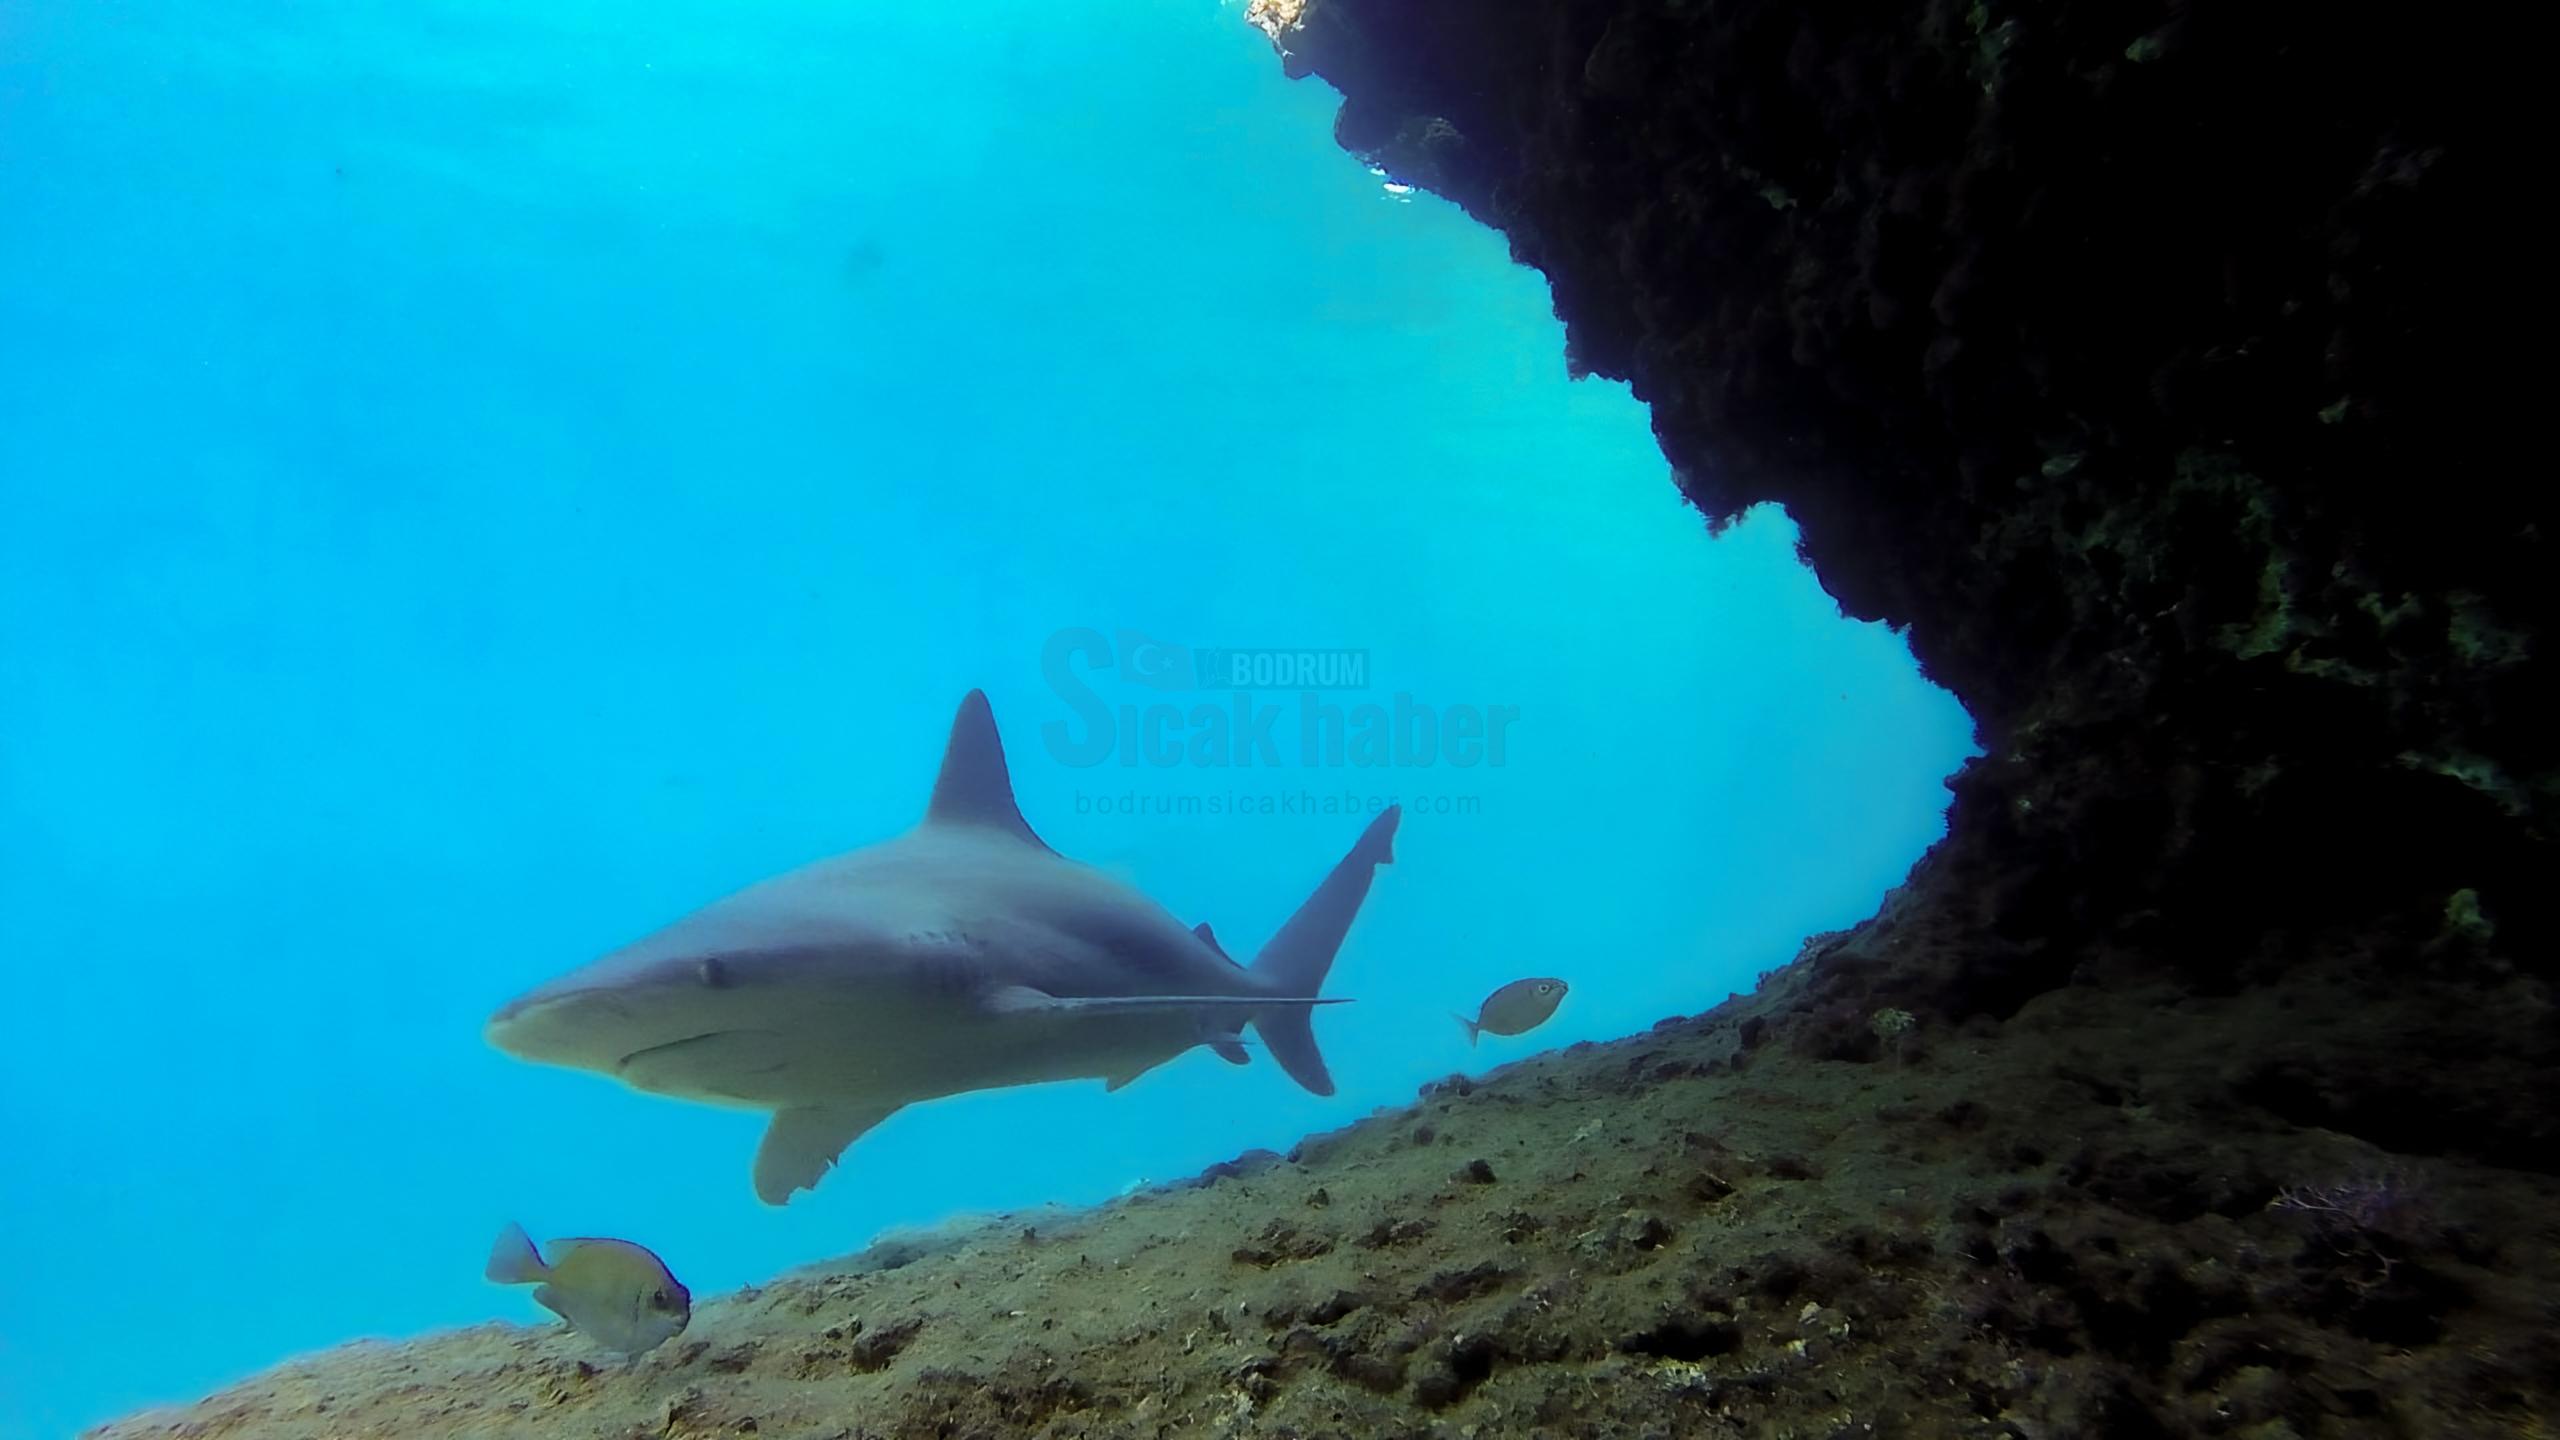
964 954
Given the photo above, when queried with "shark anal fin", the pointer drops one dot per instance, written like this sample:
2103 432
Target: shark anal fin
975 787
802 1143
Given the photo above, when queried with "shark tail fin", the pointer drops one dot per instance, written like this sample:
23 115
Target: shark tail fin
1296 961
513 1260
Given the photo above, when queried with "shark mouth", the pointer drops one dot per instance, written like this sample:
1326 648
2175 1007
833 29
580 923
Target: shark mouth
704 1042
729 1065
625 1062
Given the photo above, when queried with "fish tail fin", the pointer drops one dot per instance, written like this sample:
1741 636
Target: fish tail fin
1467 1025
513 1260
1296 961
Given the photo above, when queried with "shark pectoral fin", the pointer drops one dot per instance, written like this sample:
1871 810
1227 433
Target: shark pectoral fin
1024 1000
801 1146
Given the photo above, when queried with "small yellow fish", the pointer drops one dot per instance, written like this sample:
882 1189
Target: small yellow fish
1520 1005
611 1291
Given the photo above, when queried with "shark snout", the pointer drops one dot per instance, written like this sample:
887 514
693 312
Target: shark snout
634 1000
566 1025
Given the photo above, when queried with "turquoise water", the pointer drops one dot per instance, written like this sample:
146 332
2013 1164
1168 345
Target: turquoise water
483 480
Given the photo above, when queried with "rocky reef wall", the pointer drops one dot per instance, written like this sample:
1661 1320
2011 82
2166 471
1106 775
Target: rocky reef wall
2157 365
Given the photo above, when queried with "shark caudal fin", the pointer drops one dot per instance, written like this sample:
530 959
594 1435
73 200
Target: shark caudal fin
1294 964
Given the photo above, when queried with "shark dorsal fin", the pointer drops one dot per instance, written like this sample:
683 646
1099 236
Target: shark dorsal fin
974 787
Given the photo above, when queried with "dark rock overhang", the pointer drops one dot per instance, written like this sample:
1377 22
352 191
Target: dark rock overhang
2159 366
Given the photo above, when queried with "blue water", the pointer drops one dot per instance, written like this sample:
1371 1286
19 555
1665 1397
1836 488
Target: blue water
483 479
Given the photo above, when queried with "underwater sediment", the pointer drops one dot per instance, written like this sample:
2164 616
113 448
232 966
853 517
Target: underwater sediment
2000 1228
2153 365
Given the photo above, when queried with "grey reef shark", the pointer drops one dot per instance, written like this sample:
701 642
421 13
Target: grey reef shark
962 955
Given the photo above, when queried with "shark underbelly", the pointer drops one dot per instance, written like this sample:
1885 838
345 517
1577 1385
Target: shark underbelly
891 1045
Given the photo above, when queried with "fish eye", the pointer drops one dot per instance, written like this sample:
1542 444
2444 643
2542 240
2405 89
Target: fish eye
663 1300
1547 987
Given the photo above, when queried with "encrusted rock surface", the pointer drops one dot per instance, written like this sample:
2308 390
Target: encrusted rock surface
1745 1223
2147 362
2163 367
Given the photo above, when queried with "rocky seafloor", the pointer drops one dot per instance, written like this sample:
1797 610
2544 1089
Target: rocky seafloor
2163 369
1746 1222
